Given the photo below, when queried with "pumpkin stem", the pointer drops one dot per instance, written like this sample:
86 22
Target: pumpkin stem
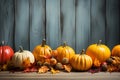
43 42
21 49
64 44
83 51
2 43
99 42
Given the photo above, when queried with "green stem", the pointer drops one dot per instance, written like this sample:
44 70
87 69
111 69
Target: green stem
2 43
64 44
83 51
21 49
99 42
43 42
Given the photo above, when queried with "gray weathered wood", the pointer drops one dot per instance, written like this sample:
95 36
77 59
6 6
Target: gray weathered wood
53 31
68 22
98 14
113 22
82 24
37 22
22 24
6 21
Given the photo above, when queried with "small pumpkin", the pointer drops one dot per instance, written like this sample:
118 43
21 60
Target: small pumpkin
20 56
42 50
81 62
65 51
99 51
116 51
6 53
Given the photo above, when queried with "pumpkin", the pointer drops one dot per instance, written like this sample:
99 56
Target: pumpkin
98 51
20 56
64 51
42 51
81 62
116 51
6 53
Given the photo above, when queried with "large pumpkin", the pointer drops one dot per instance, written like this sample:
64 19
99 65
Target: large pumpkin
41 51
98 52
6 53
64 51
81 62
20 56
116 51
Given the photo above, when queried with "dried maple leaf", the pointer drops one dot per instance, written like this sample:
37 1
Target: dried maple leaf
53 71
26 63
96 63
43 69
67 68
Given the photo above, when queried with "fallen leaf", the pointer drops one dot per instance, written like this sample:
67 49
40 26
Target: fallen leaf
43 69
53 71
67 68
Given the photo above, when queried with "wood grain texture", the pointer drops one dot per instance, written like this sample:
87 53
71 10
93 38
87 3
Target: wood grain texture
6 21
68 22
113 22
82 24
22 24
78 22
53 33
37 22
98 15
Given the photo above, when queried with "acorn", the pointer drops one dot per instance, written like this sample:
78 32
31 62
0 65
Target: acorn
59 66
39 64
53 61
104 66
109 61
65 61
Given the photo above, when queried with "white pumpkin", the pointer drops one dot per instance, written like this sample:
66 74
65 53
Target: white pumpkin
20 56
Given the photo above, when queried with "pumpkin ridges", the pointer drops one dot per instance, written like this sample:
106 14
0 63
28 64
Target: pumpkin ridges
81 62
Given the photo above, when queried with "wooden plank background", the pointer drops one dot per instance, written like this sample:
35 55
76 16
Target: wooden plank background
78 22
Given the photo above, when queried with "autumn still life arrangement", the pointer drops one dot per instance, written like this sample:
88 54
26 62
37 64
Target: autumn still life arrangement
43 59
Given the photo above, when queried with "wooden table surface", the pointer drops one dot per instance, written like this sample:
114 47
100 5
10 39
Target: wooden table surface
5 75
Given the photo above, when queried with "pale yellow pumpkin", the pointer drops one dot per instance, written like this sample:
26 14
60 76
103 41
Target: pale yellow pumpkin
81 62
20 56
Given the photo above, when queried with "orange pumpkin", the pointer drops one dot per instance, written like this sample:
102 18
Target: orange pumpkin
116 51
64 51
42 51
99 51
81 62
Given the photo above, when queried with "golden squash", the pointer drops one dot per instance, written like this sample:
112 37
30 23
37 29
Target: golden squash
64 51
81 62
98 51
42 51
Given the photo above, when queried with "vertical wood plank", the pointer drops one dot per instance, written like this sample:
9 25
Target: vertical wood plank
6 21
37 22
98 14
113 22
53 23
68 22
22 24
82 24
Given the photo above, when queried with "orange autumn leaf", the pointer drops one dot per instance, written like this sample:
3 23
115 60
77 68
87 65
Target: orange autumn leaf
53 71
68 68
43 69
96 63
26 63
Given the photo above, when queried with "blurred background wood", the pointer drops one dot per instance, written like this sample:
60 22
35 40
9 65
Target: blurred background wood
78 22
